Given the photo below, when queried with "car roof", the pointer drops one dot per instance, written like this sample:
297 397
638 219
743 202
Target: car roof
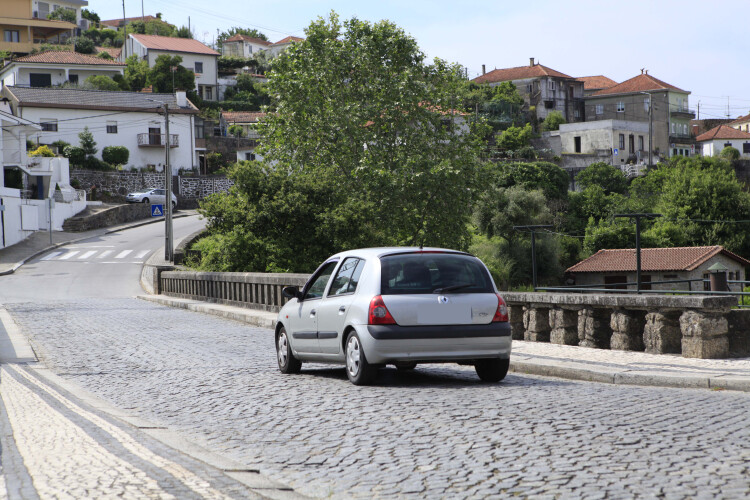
383 251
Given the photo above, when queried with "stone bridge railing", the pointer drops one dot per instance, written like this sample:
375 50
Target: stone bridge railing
694 326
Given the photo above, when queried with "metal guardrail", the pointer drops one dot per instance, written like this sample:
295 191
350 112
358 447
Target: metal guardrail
158 140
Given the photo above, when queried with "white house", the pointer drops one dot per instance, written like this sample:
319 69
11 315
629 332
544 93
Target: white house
27 184
130 119
243 46
41 10
712 142
46 69
280 46
198 58
248 120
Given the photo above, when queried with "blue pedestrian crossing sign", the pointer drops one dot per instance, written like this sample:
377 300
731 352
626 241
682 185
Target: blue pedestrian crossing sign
157 210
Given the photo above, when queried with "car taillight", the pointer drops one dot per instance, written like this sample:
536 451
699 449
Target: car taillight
501 314
379 314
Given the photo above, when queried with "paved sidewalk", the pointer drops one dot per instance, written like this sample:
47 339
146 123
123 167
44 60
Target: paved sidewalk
552 360
13 257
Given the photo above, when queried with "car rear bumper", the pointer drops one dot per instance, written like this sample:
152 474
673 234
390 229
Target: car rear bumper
389 343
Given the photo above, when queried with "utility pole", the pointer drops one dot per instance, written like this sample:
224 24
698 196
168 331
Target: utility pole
533 229
168 254
699 110
638 218
125 32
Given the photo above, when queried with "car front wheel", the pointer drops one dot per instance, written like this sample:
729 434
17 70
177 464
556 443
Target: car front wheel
492 370
287 362
359 371
145 200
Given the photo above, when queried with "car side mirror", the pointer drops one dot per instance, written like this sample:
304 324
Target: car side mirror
291 292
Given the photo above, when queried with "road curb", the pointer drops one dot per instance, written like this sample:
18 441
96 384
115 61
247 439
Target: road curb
17 265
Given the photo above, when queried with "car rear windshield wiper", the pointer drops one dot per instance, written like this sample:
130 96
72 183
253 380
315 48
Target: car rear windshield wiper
453 288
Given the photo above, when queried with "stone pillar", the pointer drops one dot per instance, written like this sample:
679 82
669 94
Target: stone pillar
593 328
627 330
704 335
661 335
564 325
536 323
515 318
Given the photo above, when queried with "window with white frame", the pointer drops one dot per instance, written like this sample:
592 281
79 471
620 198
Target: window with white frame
551 84
673 127
620 106
48 124
111 127
198 68
600 109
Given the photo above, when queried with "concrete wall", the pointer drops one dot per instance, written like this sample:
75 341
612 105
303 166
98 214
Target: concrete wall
59 75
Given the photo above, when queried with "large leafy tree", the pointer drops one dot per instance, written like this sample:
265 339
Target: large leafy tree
364 149
168 74
136 72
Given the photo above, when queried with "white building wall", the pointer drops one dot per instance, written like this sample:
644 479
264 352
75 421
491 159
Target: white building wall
21 75
210 68
714 148
70 122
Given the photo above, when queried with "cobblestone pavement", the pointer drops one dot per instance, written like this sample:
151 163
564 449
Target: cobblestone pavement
53 446
436 432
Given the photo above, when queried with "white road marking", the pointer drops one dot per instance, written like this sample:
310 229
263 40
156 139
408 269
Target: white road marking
104 254
142 254
122 254
87 254
69 255
51 256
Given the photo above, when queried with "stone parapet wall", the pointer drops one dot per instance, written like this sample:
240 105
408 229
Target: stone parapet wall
119 184
119 214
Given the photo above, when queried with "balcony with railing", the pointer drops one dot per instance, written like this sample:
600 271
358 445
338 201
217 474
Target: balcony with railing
682 112
157 140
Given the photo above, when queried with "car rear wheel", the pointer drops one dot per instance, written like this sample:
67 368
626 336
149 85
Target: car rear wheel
145 200
287 362
174 205
492 370
405 366
359 371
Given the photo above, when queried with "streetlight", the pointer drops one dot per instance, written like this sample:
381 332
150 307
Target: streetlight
168 239
650 127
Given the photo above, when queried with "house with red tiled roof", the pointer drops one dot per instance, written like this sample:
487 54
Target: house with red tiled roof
119 23
52 68
542 87
630 100
243 46
741 123
197 57
283 44
593 84
248 121
614 268
711 143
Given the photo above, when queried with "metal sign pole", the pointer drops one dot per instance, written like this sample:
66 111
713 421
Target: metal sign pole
168 255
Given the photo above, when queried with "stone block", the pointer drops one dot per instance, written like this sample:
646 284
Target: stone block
705 348
593 328
627 330
515 318
704 335
662 335
564 326
536 323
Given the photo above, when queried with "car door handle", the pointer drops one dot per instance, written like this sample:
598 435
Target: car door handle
342 309
312 313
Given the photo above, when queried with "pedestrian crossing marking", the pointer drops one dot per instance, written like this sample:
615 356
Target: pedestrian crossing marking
142 254
51 255
104 254
87 254
69 255
122 254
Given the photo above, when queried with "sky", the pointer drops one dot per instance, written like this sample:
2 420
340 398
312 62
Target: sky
696 46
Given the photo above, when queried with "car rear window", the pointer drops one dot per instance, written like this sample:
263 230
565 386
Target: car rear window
422 273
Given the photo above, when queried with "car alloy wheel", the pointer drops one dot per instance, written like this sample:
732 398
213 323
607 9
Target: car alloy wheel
359 371
286 360
145 200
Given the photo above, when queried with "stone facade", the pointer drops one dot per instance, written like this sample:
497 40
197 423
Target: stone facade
122 183
593 328
704 335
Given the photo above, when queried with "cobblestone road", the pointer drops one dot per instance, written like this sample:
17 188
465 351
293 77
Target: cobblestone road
434 433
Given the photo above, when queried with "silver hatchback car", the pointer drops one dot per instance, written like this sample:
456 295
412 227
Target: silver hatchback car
401 306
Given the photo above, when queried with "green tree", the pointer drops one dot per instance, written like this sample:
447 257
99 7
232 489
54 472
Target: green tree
609 178
116 155
548 177
553 121
90 15
362 150
183 32
236 131
100 82
85 46
499 209
515 137
152 27
730 153
86 140
136 72
63 14
168 74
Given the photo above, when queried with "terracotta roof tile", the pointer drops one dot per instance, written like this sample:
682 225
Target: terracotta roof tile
596 82
251 39
519 73
741 119
174 44
640 83
60 57
652 259
242 116
290 39
723 132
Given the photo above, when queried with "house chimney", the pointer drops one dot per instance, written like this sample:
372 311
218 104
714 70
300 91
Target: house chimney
181 97
483 69
647 72
531 61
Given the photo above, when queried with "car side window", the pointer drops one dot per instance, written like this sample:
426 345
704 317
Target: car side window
317 283
159 191
347 277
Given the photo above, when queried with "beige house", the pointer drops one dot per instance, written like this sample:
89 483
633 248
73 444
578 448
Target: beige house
614 268
741 123
25 26
243 46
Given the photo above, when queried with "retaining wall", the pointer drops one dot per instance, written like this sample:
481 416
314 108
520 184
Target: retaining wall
121 183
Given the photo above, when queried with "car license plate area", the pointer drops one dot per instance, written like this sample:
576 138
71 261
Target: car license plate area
440 314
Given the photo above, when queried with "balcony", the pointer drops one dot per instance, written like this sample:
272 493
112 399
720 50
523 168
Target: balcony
157 140
683 113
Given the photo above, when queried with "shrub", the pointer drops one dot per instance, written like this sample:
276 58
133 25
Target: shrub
116 155
553 121
75 154
60 146
85 46
43 150
730 153
94 163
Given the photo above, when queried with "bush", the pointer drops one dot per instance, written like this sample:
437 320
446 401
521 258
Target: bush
85 46
42 151
116 155
553 121
60 146
94 163
730 153
75 154
100 82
